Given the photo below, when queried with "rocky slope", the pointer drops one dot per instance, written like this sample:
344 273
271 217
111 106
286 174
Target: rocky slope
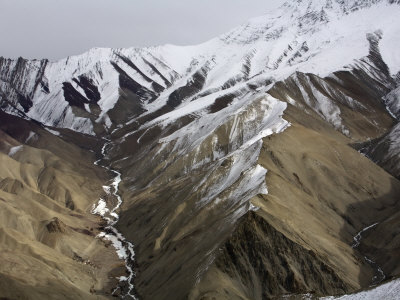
321 192
238 178
385 151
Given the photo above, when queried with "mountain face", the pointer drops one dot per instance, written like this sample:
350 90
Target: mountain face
84 92
240 175
385 151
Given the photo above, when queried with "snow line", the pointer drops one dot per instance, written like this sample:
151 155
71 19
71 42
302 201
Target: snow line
124 248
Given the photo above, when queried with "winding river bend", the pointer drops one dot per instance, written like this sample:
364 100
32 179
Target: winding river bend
124 248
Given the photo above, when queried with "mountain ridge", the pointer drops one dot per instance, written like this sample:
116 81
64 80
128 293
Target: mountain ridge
46 85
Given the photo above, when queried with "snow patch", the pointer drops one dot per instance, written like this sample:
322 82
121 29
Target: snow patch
54 132
14 150
31 135
101 208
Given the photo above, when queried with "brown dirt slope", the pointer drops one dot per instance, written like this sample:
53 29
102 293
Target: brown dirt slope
48 248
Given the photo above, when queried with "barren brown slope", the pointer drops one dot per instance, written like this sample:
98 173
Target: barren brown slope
48 248
321 193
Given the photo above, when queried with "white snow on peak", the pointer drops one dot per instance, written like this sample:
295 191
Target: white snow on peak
333 33
309 36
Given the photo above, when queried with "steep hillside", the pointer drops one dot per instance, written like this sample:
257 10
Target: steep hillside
321 193
385 151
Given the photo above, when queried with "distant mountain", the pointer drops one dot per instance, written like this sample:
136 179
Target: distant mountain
319 37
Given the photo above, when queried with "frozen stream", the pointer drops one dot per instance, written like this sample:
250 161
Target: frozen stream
123 247
379 275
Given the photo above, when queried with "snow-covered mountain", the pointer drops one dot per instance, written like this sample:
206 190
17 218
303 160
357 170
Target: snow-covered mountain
318 37
194 131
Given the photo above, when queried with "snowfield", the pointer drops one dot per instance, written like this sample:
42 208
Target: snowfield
386 291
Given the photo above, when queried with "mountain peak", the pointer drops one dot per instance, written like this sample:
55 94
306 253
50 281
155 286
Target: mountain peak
298 17
344 5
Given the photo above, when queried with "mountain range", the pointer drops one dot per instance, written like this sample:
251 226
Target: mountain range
261 164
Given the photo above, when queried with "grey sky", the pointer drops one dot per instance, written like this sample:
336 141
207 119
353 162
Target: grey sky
57 28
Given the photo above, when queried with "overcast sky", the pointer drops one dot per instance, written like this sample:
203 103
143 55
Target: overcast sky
57 28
